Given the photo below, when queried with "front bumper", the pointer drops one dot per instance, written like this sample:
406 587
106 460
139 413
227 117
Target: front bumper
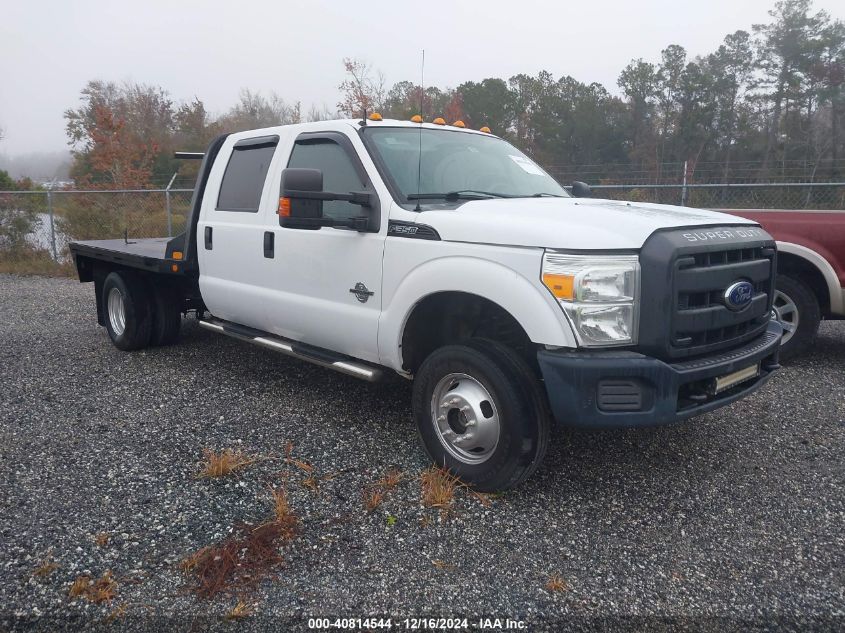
610 389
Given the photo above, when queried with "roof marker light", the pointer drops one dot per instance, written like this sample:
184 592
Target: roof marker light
375 116
439 121
416 119
459 123
484 129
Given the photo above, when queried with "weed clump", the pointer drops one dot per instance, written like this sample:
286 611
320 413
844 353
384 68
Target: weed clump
240 611
223 463
103 589
437 488
247 556
375 495
556 584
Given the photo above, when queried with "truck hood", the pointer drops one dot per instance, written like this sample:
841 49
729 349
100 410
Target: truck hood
566 223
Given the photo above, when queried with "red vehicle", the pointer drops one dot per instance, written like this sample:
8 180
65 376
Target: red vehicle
811 270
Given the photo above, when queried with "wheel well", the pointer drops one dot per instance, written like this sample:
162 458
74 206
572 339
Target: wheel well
446 318
795 266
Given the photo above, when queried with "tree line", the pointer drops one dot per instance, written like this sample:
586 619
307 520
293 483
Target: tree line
764 100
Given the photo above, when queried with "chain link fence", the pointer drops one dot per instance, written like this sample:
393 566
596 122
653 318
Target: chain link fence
793 196
36 226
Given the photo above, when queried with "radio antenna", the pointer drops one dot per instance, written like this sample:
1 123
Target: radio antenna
422 117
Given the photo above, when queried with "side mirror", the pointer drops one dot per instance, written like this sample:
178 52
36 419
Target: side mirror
301 202
581 189
296 211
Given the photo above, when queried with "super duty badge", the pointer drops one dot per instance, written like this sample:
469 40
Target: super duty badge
733 233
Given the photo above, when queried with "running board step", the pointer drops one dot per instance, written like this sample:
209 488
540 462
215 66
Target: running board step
315 355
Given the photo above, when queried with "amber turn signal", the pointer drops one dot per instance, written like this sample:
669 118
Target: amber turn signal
562 286
177 255
284 207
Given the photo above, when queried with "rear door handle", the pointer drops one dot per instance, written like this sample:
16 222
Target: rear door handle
208 239
269 242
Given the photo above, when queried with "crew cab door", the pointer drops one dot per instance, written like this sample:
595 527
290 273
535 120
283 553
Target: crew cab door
326 283
231 227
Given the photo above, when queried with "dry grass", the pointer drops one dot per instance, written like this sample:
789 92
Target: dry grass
47 567
373 498
390 480
437 487
556 584
104 589
283 516
224 463
116 614
240 611
443 565
245 557
34 263
102 539
375 494
242 559
312 483
79 586
304 466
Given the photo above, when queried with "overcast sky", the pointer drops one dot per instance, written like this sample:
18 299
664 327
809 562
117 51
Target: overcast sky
212 49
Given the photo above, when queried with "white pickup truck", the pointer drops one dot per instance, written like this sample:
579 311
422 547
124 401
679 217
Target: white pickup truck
448 257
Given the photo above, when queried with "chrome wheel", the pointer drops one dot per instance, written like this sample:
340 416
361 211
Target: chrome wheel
465 418
786 313
117 311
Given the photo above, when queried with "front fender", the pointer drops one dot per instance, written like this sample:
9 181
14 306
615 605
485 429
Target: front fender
528 302
817 256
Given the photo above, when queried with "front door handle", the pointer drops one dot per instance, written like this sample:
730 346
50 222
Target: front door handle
269 241
208 240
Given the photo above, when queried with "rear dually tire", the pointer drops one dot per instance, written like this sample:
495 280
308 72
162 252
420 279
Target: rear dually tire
127 308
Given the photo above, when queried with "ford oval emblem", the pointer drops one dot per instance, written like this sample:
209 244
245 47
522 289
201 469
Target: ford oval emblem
738 295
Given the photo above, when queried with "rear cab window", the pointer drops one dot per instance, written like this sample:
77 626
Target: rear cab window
246 171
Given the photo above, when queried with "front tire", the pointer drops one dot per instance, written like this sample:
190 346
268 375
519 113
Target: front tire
797 310
128 310
481 414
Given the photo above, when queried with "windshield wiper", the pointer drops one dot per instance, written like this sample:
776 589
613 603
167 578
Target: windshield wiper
543 194
463 194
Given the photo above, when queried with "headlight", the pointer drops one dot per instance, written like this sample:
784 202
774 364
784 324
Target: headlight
598 293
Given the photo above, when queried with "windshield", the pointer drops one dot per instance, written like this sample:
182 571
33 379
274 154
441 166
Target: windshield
457 165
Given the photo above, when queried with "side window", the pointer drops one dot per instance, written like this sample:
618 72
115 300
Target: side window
339 173
243 180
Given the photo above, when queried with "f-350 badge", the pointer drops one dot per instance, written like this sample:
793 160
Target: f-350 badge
361 292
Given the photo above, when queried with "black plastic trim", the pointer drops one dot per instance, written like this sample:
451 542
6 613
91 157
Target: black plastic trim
256 142
663 261
670 392
411 230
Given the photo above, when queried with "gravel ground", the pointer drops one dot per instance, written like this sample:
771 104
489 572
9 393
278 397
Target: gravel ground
732 520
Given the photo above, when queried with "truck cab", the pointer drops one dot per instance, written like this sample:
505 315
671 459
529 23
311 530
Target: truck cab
446 256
